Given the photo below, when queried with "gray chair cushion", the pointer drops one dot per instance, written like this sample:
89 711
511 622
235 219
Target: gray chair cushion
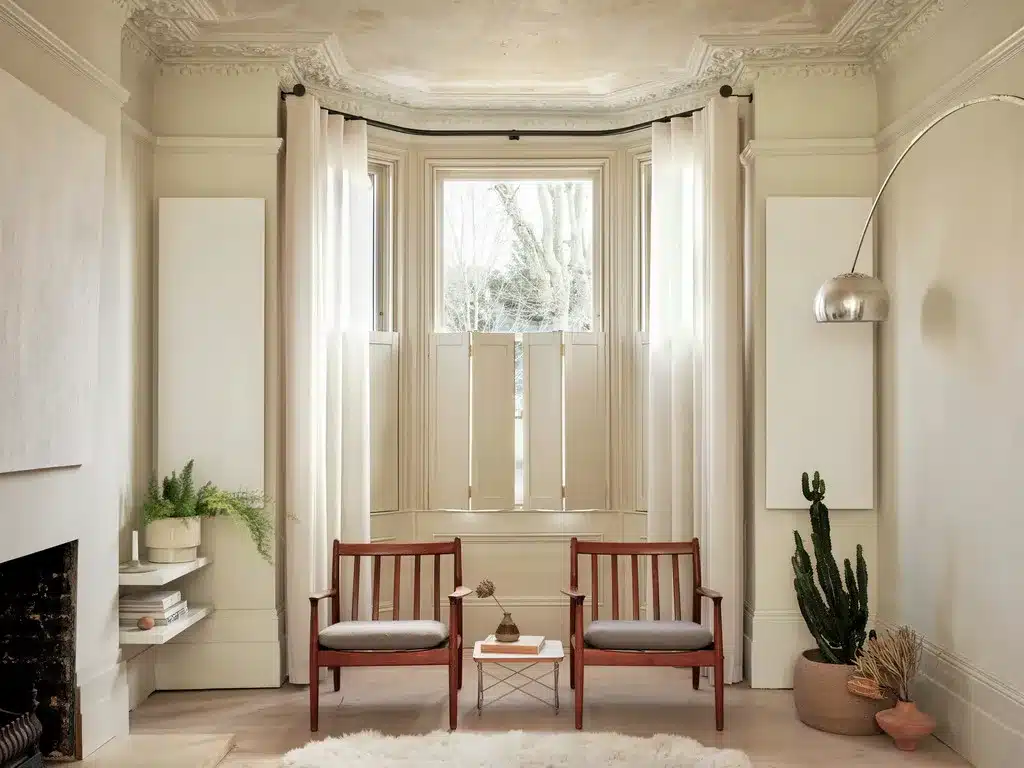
613 635
404 635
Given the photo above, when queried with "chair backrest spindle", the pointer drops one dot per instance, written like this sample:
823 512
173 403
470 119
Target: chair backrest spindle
615 587
593 587
416 589
396 599
676 603
437 587
376 587
656 586
635 567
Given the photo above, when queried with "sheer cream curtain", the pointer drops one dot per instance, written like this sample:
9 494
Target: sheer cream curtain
327 288
695 480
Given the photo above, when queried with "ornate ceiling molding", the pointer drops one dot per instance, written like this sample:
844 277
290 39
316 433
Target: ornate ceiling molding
183 35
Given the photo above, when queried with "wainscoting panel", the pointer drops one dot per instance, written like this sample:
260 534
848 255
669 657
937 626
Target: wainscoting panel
525 554
384 420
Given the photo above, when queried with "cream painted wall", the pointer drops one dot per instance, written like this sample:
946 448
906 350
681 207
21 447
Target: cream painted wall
217 136
92 502
952 369
812 137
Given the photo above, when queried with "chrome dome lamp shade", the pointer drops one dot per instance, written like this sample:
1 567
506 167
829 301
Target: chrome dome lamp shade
852 297
855 297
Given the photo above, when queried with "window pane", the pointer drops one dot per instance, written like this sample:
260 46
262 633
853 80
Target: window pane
517 255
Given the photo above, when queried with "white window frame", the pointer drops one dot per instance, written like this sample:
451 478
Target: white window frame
383 173
522 170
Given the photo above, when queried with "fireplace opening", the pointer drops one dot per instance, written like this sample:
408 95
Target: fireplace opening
37 656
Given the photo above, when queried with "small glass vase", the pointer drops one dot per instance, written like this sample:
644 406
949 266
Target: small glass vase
507 631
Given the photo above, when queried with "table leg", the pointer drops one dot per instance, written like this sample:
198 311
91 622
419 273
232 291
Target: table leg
479 688
556 687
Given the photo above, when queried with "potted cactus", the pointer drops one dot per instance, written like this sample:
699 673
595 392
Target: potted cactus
837 618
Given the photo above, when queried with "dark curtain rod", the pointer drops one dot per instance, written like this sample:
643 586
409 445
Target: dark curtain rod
725 91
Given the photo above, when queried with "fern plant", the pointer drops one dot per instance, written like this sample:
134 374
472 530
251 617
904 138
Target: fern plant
177 497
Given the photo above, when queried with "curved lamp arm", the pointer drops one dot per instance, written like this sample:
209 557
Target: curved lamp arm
853 297
1019 101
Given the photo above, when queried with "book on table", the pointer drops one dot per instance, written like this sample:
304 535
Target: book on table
526 645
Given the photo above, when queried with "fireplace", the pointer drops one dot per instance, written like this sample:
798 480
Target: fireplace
37 653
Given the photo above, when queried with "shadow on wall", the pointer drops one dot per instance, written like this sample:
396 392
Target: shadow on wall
938 315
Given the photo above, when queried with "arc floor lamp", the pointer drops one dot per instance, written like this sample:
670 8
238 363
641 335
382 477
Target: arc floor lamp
855 297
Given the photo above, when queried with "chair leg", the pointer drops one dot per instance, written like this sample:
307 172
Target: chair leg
572 668
720 694
453 695
337 679
578 665
460 668
696 678
314 694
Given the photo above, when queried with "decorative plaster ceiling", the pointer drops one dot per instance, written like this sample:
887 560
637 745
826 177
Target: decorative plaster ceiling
592 62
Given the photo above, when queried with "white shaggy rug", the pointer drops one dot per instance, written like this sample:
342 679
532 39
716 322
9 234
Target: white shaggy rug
515 749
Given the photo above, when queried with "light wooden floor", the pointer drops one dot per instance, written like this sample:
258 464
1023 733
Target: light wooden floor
268 723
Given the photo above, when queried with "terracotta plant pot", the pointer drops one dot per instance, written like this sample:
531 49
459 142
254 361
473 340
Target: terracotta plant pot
173 539
823 701
906 724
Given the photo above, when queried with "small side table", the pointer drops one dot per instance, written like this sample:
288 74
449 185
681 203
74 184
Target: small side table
550 653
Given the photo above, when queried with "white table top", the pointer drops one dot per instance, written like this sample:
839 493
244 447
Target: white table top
550 651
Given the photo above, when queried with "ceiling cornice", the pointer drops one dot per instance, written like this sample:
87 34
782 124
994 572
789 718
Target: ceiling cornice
181 36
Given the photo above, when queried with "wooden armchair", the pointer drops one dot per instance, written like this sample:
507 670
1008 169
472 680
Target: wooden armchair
636 643
376 643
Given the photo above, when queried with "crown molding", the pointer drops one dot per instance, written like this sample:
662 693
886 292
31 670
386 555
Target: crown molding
954 90
910 28
757 148
30 28
218 145
185 36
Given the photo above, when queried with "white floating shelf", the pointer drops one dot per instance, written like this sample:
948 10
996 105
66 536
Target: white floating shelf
160 635
162 573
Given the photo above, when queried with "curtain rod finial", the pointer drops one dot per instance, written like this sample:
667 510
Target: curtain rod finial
299 90
725 91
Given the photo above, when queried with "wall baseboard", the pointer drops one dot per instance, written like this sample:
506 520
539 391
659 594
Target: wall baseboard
103 704
978 716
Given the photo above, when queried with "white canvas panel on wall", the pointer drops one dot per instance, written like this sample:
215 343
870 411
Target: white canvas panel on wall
449 421
384 421
211 338
820 378
542 420
52 169
586 423
493 418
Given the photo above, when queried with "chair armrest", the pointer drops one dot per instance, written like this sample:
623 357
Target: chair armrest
574 595
709 593
316 597
460 593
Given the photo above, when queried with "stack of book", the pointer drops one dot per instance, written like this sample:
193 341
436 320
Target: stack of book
162 605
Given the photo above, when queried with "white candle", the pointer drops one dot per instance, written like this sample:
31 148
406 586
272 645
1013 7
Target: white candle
135 546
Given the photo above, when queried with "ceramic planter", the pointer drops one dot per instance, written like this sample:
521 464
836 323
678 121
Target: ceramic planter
906 724
823 701
173 540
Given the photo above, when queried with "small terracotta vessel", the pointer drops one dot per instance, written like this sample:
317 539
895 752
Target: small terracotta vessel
906 724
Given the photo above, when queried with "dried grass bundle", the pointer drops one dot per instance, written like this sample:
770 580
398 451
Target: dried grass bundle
891 662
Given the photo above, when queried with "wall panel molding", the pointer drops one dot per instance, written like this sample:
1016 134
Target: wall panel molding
218 145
